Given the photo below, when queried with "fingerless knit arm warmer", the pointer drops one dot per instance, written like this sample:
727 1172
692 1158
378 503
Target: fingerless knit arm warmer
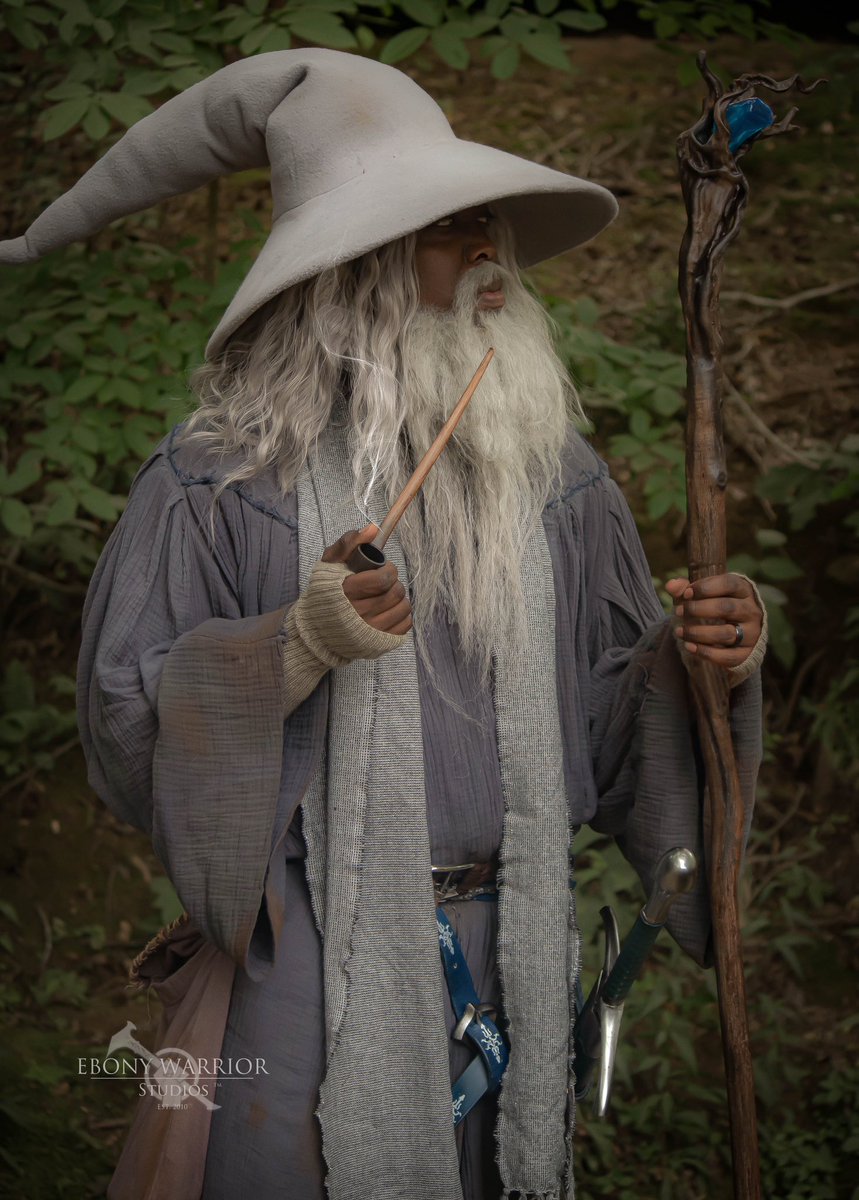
323 631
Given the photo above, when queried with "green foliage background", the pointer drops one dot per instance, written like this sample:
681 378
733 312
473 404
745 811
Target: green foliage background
98 341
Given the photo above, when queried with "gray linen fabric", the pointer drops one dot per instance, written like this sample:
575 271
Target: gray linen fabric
368 870
163 597
368 867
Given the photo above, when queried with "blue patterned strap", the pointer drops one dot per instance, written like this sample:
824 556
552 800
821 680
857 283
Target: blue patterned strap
485 1072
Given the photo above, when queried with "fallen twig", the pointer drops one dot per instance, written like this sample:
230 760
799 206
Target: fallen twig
797 298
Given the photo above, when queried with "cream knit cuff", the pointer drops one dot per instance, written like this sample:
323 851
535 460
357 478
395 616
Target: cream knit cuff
323 631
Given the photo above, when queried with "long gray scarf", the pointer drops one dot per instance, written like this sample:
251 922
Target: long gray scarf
385 1103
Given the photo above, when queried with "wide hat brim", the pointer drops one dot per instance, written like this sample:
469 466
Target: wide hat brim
549 211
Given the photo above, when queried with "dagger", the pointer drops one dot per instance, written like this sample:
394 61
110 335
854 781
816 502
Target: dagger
598 1024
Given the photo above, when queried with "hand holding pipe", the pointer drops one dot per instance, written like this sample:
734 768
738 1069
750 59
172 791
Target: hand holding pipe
370 555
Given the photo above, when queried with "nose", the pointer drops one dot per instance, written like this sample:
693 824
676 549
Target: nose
478 246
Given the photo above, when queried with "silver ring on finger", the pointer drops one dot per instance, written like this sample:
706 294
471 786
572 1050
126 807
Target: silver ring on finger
738 640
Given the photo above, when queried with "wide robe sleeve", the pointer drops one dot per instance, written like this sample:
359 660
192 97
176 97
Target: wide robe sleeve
644 784
181 701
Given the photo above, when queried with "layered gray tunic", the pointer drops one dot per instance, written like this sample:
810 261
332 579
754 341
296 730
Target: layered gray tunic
180 708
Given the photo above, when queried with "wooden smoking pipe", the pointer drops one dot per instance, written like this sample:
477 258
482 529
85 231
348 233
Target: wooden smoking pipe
370 555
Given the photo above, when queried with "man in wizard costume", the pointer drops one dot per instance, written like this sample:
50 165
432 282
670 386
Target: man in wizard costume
303 744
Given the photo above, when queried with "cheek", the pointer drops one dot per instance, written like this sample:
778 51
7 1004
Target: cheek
438 274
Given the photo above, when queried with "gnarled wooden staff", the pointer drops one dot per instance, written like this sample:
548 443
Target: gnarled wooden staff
715 191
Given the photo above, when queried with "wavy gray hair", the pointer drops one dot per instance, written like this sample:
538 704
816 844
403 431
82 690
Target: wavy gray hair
269 394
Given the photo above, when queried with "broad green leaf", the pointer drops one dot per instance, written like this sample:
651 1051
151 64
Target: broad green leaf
769 538
546 50
252 41
27 471
62 510
104 29
17 688
711 24
97 502
126 391
781 636
332 6
422 12
450 48
403 44
770 594
68 91
281 39
171 41
124 107
15 516
69 342
323 29
474 27
639 423
145 83
257 7
366 37
506 62
186 77
18 336
518 26
64 116
586 310
86 438
544 7
666 401
83 388
497 8
586 22
139 440
96 124
659 504
624 446
24 31
78 10
780 567
666 27
239 26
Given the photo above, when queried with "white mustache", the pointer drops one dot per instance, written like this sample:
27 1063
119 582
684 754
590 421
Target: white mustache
476 280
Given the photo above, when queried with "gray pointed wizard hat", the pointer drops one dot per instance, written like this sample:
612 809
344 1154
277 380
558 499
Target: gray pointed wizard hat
359 155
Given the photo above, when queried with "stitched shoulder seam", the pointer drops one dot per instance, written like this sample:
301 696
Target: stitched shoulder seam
186 479
585 480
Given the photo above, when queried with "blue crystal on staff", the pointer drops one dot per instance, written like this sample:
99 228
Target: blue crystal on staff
746 120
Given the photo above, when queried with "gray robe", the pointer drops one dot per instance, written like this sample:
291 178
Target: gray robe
180 710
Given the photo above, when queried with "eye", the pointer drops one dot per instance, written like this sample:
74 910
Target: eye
444 223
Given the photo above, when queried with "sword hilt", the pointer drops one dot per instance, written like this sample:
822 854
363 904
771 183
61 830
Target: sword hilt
676 873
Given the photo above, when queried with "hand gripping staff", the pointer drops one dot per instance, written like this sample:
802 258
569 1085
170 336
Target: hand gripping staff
715 192
370 555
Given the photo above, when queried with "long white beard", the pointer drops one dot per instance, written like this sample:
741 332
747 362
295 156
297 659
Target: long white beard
465 535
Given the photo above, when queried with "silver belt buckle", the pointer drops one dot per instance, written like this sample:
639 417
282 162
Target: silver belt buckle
443 882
